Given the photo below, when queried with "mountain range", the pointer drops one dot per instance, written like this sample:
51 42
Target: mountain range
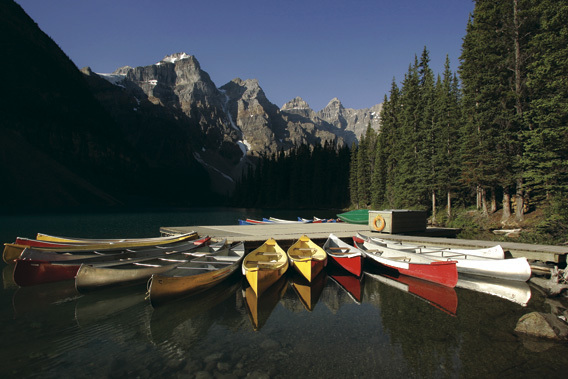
162 133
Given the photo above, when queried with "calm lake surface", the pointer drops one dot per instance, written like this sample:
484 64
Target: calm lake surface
339 327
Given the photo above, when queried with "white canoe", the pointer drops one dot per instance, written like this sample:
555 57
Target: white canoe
517 269
495 252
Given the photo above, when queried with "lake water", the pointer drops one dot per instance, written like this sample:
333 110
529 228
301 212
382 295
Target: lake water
339 327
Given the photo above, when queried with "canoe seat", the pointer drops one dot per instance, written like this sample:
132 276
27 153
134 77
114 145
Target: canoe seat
404 259
213 262
197 268
229 258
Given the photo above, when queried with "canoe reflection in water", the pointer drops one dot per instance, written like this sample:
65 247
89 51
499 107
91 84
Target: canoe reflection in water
308 292
437 295
349 283
259 308
512 290
182 322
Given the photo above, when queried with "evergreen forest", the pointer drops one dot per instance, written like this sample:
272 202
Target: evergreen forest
491 137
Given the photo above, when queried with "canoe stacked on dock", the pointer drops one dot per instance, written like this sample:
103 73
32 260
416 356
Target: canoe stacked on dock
358 216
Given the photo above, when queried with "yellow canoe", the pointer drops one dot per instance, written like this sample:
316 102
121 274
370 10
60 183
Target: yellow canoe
307 257
155 240
264 266
12 251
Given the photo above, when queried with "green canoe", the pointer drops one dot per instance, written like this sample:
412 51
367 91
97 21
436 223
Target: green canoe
358 216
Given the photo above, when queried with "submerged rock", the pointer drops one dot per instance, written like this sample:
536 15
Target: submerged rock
542 325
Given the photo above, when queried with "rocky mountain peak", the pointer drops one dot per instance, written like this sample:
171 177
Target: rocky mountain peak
296 103
334 105
122 70
173 58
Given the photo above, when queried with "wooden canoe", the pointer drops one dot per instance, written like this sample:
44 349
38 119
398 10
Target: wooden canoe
13 251
196 276
37 267
517 269
93 276
444 273
343 255
263 266
307 257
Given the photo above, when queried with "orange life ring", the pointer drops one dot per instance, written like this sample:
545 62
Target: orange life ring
381 225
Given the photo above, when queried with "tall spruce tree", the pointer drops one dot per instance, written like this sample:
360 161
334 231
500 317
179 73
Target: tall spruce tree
353 175
546 142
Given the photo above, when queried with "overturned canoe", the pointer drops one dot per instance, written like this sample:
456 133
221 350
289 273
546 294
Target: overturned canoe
263 266
307 257
358 216
196 276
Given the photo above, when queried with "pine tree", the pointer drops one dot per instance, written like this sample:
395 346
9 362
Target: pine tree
353 175
546 142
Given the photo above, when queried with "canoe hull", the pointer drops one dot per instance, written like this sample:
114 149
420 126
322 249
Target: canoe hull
30 273
343 255
196 276
309 268
359 216
261 279
353 265
307 258
90 277
164 288
517 269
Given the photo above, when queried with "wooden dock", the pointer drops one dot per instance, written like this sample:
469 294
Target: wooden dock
287 234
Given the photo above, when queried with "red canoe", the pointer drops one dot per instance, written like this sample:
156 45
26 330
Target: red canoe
344 255
444 273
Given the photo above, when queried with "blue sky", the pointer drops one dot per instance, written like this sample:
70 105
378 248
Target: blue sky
315 49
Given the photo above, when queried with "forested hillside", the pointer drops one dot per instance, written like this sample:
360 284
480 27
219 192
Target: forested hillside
495 137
